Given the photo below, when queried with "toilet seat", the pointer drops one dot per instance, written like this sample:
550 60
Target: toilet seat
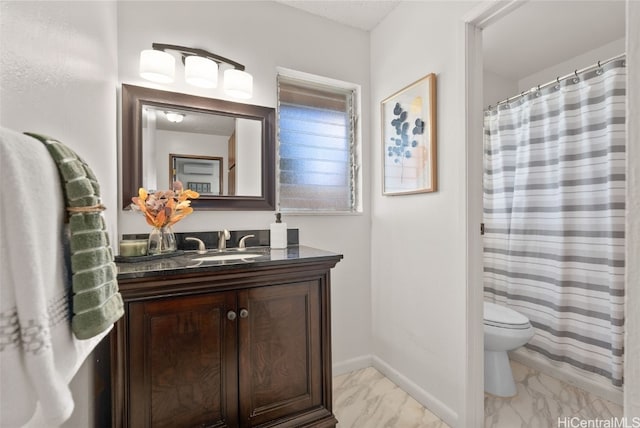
503 317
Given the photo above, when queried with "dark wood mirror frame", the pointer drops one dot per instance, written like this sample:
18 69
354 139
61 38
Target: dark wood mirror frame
134 97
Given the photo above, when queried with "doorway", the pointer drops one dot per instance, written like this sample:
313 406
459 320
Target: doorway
475 22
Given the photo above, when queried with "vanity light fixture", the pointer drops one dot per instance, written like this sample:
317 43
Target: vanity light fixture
157 66
200 69
174 117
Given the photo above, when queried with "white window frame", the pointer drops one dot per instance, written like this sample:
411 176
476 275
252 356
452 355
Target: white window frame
356 164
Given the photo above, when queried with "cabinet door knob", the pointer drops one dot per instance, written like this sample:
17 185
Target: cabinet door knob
244 313
231 315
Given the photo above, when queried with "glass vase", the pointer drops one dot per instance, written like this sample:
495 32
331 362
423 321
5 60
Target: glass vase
161 241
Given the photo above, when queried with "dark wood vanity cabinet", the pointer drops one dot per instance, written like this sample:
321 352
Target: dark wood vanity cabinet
240 348
182 370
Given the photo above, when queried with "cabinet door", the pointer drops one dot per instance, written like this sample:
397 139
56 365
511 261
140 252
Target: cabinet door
183 362
280 367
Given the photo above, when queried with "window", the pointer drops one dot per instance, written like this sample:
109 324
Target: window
318 151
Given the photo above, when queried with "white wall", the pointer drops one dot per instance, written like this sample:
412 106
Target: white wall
150 163
58 77
262 36
497 88
248 162
600 53
418 243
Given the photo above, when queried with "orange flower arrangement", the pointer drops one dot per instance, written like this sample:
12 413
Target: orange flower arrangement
164 208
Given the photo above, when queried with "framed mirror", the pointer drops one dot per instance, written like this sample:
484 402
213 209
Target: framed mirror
240 138
202 174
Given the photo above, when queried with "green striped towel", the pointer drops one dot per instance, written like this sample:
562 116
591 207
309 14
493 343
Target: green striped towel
97 304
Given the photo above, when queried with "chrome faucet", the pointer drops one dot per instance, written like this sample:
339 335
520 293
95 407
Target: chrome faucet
223 236
202 249
241 244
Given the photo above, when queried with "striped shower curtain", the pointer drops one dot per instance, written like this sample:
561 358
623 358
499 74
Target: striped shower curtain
554 204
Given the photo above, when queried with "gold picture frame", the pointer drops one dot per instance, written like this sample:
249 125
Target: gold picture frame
408 120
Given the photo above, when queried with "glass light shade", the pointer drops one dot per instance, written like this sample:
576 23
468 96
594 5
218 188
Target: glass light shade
199 71
174 117
238 83
157 66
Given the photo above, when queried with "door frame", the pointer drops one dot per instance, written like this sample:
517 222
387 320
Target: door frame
471 28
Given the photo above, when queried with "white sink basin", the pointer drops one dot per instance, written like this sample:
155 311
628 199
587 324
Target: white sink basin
234 256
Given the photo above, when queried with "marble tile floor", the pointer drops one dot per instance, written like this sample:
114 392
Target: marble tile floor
367 399
543 401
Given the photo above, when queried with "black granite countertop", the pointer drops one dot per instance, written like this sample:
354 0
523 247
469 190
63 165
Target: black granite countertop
187 262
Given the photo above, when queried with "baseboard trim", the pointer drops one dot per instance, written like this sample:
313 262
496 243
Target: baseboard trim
351 365
423 397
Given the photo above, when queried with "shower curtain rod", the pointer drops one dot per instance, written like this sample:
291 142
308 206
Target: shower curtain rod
558 79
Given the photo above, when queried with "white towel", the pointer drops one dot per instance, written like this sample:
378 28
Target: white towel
39 355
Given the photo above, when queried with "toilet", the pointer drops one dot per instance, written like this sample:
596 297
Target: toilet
504 330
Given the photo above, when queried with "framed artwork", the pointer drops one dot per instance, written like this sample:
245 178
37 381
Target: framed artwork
409 139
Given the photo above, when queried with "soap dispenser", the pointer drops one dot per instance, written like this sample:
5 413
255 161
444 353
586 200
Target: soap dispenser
278 238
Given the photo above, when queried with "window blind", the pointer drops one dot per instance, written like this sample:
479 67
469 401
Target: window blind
316 147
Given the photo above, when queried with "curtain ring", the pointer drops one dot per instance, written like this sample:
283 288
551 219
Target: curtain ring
558 79
599 66
576 73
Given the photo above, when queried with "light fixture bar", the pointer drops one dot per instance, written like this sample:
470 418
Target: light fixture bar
185 51
200 67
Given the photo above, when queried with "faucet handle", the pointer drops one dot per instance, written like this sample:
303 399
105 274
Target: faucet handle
223 237
241 244
202 249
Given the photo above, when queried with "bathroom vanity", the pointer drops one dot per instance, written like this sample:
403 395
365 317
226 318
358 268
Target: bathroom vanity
225 341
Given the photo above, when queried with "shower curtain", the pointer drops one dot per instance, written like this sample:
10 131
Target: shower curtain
554 205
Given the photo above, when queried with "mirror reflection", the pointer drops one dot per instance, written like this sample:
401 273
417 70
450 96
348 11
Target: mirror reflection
202 174
236 142
222 149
